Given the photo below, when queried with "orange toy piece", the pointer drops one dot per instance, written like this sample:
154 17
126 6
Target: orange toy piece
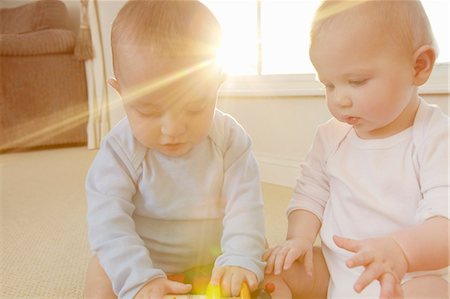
176 277
269 287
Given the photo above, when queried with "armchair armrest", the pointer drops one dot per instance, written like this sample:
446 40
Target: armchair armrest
50 41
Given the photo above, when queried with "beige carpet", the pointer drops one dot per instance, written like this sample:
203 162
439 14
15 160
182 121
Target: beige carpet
43 242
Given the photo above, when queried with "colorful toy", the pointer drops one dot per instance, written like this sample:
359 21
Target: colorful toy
199 278
269 288
213 292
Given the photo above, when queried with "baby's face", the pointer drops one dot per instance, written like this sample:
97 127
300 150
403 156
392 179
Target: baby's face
170 103
368 80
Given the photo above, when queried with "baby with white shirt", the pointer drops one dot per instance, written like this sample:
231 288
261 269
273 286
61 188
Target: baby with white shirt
375 182
174 185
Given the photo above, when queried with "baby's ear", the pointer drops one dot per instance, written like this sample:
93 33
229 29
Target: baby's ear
424 59
114 84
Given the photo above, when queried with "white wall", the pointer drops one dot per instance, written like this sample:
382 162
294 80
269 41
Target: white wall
281 129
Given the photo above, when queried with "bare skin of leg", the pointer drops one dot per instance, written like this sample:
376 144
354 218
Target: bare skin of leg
426 287
295 283
98 285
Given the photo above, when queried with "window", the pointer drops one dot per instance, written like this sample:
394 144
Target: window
438 12
239 32
282 27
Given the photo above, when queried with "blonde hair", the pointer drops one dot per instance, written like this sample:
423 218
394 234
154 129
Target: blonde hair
166 29
405 21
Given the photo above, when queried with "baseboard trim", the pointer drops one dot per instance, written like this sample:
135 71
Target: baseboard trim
278 170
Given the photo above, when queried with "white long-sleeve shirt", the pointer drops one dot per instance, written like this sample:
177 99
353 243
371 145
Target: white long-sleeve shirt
150 214
368 188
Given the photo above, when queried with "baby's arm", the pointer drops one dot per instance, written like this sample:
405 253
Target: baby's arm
109 188
161 286
243 223
426 246
387 259
303 227
306 207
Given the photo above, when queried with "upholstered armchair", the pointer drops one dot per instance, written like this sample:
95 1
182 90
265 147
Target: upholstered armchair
43 96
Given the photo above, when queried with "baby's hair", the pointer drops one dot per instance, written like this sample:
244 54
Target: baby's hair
405 21
166 29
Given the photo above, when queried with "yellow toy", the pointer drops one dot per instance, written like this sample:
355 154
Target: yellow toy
213 292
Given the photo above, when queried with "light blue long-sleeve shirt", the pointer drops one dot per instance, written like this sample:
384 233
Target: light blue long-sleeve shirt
150 214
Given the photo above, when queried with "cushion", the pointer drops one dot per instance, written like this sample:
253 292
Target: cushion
49 41
34 16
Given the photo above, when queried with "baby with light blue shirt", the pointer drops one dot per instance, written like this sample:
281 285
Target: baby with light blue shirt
174 185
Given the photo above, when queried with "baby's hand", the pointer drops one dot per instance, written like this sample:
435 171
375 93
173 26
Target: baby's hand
283 256
383 260
231 278
157 288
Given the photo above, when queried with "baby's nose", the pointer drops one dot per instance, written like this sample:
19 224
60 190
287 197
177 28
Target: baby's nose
173 124
342 99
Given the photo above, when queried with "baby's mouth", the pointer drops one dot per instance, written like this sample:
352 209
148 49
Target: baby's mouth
351 120
172 146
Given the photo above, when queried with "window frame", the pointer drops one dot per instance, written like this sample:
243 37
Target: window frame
305 85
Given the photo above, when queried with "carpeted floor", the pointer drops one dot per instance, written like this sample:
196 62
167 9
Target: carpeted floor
43 243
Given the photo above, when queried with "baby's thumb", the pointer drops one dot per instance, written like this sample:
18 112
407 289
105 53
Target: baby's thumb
266 254
216 276
174 287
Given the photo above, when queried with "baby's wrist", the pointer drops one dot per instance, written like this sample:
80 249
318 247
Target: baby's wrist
148 284
304 239
404 259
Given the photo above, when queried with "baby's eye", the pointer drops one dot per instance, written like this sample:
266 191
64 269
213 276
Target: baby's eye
195 108
357 83
194 111
329 86
150 113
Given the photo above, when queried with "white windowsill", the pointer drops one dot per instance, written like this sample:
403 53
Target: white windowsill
305 85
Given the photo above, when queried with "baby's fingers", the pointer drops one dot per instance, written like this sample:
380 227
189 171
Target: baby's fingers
371 273
216 275
226 283
267 254
279 260
236 283
361 258
252 281
308 262
347 244
291 257
271 260
390 287
174 287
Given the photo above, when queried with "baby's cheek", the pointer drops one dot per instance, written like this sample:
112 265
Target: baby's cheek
148 135
200 133
371 107
201 125
333 109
